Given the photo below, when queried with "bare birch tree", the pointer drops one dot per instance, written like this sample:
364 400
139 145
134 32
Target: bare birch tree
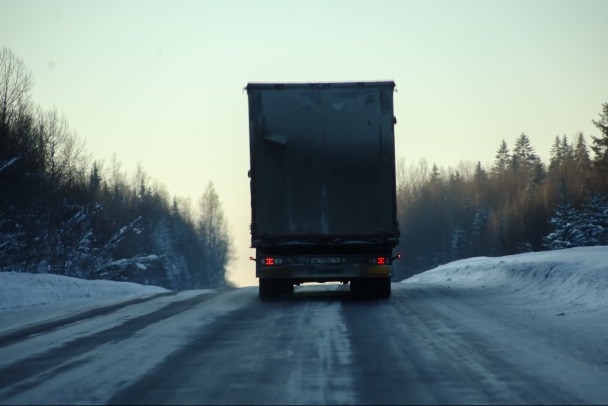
15 85
213 232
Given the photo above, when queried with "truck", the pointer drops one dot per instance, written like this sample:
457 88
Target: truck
322 184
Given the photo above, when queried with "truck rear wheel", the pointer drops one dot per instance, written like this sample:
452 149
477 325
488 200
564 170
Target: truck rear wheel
374 287
270 289
357 287
380 288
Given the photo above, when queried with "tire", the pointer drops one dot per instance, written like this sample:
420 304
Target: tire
266 291
357 287
272 289
379 288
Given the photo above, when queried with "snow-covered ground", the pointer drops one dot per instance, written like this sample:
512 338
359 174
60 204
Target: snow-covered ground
28 298
25 289
573 280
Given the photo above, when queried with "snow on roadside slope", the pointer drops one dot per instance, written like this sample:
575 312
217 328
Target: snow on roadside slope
576 276
18 290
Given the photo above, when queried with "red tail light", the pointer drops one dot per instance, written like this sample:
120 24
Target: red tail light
269 261
381 261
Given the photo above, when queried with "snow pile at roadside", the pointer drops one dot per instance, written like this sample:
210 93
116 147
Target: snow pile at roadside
24 289
574 276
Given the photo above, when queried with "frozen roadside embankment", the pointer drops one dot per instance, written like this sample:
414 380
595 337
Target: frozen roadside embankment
25 289
29 298
575 278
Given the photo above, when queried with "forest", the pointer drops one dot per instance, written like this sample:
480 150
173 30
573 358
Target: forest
518 205
63 212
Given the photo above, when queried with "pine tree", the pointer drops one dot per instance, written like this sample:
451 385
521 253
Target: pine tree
502 159
567 233
538 175
566 220
600 144
523 153
529 169
581 153
175 211
594 220
459 243
562 155
556 155
480 184
435 175
480 223
567 149
95 180
480 173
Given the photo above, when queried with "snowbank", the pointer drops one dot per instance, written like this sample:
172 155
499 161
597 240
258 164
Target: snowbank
574 276
24 289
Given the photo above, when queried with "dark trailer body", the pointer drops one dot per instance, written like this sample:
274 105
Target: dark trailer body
323 198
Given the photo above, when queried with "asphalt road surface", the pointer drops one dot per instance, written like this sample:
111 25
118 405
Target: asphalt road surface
321 346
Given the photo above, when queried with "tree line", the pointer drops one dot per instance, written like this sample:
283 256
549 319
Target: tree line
518 205
63 212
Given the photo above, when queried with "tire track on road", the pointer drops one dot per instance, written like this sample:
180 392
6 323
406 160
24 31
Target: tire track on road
32 366
291 351
22 333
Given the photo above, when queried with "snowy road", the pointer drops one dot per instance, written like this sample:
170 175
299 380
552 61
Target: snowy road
428 343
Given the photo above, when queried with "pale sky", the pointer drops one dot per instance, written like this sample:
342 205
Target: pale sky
161 82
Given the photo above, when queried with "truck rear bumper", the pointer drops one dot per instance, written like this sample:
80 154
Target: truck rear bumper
325 273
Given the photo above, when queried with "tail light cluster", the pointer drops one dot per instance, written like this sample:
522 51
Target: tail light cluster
272 261
384 260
